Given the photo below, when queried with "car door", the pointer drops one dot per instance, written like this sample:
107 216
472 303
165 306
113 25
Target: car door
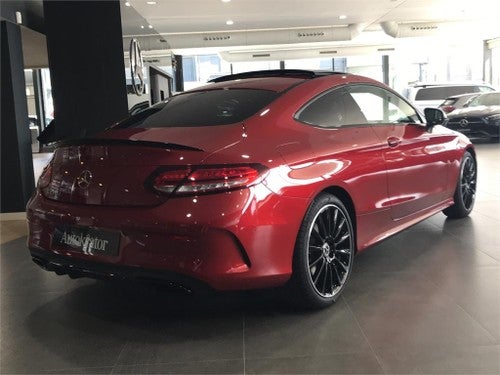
416 159
343 141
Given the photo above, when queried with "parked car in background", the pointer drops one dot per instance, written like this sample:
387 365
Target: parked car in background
431 95
480 119
139 107
259 179
456 102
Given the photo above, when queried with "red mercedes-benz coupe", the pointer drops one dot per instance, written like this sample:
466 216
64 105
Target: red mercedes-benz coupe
259 179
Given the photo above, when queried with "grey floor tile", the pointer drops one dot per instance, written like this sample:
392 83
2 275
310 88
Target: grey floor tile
44 331
352 363
476 291
292 334
32 356
476 233
421 250
186 338
405 310
19 275
191 367
487 204
464 360
80 371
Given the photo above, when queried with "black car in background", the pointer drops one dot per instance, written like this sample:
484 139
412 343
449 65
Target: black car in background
480 119
456 102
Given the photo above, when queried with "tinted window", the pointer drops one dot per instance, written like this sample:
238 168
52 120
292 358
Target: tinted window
332 109
449 102
486 99
441 92
485 89
203 108
382 106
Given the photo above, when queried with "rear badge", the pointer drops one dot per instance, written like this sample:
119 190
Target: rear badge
84 179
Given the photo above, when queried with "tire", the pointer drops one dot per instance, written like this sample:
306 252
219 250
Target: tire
323 255
465 192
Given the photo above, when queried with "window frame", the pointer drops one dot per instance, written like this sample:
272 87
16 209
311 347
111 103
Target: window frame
390 91
345 87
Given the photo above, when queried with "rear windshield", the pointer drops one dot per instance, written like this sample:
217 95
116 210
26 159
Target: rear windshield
442 92
449 102
202 108
486 99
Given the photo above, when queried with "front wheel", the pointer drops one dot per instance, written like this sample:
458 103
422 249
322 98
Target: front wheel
323 254
465 192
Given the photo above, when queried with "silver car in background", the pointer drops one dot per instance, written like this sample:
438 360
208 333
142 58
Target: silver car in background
425 95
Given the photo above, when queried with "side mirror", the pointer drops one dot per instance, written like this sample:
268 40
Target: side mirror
434 116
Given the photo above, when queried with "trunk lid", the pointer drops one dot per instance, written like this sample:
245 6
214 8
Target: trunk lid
114 169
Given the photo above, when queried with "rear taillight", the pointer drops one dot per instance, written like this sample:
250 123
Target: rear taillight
45 177
207 179
447 108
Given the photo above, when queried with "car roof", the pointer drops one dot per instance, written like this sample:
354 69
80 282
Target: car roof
277 80
493 93
444 84
298 73
463 95
272 84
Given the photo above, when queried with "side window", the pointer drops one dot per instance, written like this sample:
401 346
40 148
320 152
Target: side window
382 106
331 110
485 89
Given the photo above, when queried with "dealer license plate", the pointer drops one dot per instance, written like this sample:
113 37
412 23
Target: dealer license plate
87 240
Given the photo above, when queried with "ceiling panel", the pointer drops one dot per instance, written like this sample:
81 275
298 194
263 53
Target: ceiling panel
181 16
184 16
191 21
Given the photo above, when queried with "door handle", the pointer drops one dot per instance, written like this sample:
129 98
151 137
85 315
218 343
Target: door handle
393 141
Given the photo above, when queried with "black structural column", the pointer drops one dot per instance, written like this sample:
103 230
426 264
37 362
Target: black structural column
178 72
87 68
17 164
385 69
487 63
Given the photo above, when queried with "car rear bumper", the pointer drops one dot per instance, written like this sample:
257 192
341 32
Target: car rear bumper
76 268
238 240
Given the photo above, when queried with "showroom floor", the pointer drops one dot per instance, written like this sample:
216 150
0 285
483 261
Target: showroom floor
425 301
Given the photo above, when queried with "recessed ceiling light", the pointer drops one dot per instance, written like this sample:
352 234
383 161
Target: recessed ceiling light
225 1
229 22
150 26
151 2
127 4
342 17
142 26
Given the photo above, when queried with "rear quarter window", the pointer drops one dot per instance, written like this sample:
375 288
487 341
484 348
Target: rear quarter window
202 108
491 99
449 102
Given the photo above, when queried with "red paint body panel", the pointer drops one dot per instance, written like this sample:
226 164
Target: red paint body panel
394 175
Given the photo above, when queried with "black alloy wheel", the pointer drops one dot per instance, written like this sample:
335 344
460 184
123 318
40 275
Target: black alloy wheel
324 253
465 192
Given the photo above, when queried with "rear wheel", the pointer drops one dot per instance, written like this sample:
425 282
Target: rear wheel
324 253
465 192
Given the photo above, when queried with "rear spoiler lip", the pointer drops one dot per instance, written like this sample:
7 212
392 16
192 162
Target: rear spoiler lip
114 141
